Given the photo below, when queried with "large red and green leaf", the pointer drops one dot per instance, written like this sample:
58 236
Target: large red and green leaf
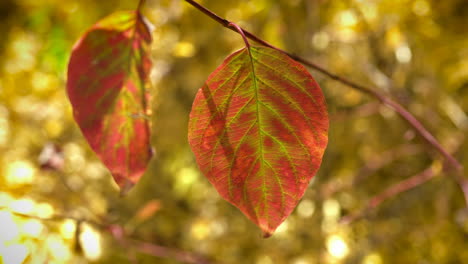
258 129
107 87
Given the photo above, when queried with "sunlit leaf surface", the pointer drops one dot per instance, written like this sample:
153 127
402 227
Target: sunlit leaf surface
258 129
107 86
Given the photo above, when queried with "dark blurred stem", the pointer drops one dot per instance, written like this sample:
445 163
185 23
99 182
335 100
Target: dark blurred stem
392 191
384 99
78 247
170 253
400 187
371 167
140 5
57 218
403 186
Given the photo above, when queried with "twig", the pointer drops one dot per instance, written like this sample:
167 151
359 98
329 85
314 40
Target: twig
384 99
378 162
140 5
171 253
403 186
56 218
140 246
392 191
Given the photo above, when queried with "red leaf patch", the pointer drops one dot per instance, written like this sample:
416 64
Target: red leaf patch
258 129
107 87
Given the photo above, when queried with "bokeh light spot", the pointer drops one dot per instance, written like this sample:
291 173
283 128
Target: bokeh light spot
13 254
306 208
19 173
421 7
331 208
8 228
67 229
200 230
44 210
372 258
337 247
320 40
4 130
90 240
184 50
23 206
57 248
403 53
32 228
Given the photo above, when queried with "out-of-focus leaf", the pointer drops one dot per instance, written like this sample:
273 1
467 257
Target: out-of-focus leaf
258 129
107 86
148 210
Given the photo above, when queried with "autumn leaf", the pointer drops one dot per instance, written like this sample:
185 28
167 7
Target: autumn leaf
258 129
107 87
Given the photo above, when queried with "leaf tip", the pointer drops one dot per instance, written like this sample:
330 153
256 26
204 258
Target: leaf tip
126 187
267 234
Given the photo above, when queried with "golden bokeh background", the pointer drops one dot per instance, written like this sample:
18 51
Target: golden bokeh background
414 50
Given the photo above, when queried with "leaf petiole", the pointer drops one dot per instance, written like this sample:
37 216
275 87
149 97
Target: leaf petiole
241 32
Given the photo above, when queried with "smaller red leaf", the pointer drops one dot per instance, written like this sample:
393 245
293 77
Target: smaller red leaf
107 87
258 129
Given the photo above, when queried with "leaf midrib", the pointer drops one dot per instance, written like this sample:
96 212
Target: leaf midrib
260 135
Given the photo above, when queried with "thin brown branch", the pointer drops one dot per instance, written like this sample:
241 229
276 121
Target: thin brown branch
118 233
392 191
372 166
56 218
140 5
463 183
404 186
165 252
384 99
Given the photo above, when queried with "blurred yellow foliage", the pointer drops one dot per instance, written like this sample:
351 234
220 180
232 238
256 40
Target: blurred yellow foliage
415 50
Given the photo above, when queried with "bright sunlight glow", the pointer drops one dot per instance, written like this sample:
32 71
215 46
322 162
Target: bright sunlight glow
337 247
19 172
90 240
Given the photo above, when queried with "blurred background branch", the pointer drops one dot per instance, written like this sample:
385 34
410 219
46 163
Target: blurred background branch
128 242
